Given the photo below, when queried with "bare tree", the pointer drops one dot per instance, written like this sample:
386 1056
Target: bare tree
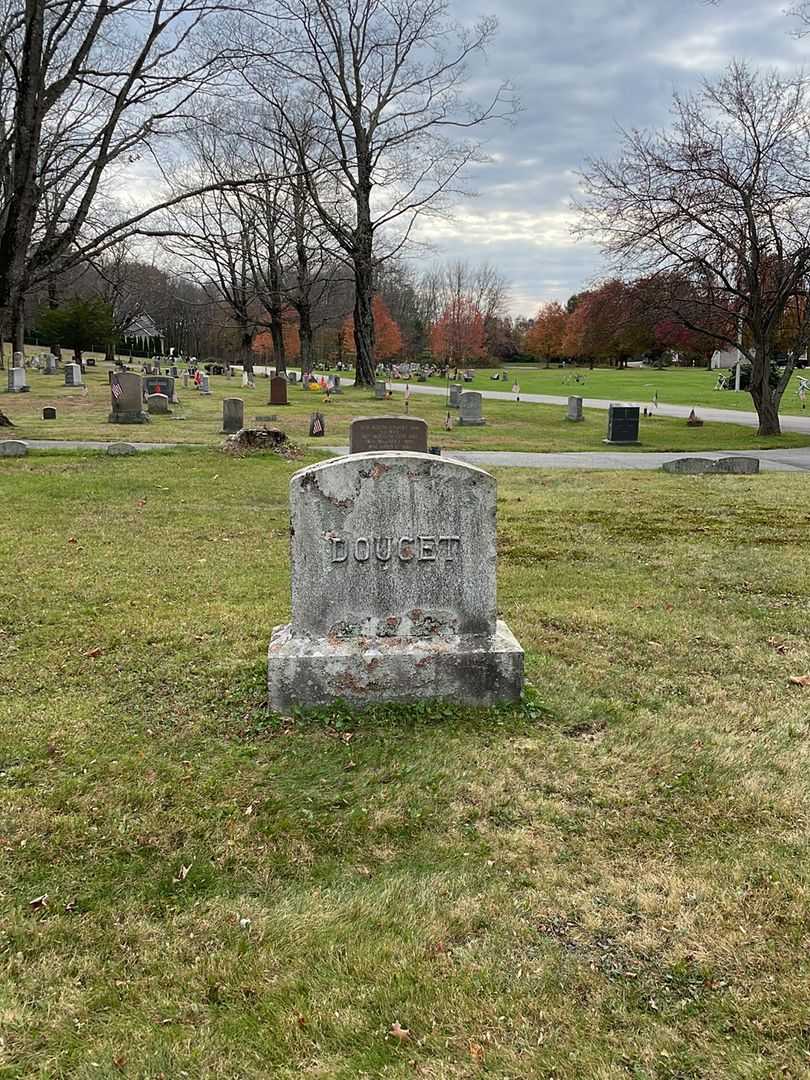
83 87
715 214
384 82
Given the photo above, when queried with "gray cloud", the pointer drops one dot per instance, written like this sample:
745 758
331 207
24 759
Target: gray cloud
583 69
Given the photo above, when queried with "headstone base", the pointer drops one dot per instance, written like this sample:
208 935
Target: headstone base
621 442
464 422
128 418
307 672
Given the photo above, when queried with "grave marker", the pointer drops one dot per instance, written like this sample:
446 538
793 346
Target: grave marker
17 381
455 394
158 384
157 405
317 425
623 424
393 586
73 375
469 404
367 434
278 390
379 390
233 415
575 410
126 394
12 448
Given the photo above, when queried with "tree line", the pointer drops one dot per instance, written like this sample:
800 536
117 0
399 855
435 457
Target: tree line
298 144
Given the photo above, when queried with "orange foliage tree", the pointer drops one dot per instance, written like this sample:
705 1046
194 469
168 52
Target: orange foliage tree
459 334
546 338
387 335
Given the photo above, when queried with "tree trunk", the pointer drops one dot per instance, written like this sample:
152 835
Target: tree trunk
18 322
765 401
246 350
305 336
363 314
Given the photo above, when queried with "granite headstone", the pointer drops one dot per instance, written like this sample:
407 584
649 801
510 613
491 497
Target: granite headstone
469 404
126 396
233 415
368 434
393 586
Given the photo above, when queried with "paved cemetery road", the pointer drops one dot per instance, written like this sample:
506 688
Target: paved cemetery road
770 460
800 424
679 412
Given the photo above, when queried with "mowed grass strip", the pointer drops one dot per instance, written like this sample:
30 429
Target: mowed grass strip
82 414
607 881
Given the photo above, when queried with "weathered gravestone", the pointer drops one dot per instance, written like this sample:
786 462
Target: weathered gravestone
12 448
317 425
470 409
157 405
336 387
728 466
121 449
368 434
379 390
18 359
17 381
51 364
393 586
73 375
233 415
623 424
126 396
455 394
158 384
575 409
278 390
204 385
292 376
49 413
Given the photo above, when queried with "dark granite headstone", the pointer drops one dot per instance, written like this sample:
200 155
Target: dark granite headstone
278 390
158 384
369 434
623 424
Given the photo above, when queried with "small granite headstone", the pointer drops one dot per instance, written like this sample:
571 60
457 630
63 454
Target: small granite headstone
157 405
469 404
204 385
317 425
292 376
455 395
12 448
158 384
185 378
50 365
49 413
388 433
623 424
17 381
18 360
121 449
575 409
728 466
126 396
233 415
379 390
73 375
278 390
393 587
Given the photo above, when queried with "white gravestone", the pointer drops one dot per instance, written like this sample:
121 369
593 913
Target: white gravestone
17 382
393 586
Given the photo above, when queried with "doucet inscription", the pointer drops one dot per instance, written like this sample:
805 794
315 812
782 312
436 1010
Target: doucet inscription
388 549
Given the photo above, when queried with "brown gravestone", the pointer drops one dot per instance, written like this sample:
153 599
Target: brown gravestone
278 390
371 433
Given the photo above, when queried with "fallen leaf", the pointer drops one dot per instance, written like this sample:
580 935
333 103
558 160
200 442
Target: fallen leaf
800 680
399 1032
476 1051
300 1020
72 540
38 902
120 1061
183 873
93 653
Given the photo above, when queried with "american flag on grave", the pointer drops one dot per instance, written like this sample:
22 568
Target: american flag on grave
115 389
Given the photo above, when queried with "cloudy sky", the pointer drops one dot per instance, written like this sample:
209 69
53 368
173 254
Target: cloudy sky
581 68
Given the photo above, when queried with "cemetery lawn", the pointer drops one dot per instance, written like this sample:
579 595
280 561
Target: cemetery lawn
693 387
82 414
609 881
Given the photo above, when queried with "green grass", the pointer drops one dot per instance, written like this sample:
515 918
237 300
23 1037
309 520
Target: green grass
82 414
693 387
610 881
